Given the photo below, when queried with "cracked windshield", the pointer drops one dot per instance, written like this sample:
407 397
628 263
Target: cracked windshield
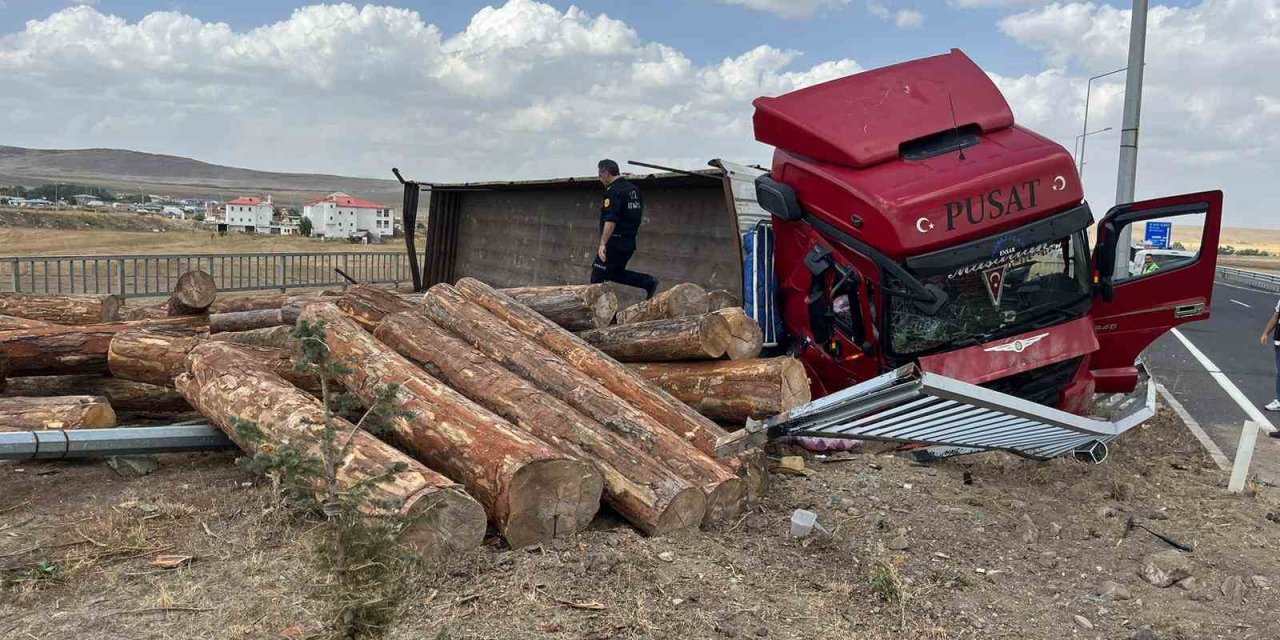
995 297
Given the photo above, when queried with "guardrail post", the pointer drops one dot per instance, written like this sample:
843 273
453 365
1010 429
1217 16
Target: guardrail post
17 280
284 273
120 276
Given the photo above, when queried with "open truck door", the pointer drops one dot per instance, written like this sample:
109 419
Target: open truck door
1147 299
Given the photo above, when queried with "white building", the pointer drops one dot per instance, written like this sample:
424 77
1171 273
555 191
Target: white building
249 214
339 215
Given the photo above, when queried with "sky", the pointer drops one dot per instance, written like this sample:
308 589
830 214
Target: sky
467 90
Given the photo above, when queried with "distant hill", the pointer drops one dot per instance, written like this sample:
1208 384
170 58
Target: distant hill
137 172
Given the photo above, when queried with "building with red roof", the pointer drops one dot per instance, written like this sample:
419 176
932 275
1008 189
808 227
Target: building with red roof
250 214
341 215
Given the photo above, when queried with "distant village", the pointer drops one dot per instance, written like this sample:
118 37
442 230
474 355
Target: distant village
335 216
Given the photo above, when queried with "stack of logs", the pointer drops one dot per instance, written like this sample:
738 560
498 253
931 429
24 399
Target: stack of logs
517 406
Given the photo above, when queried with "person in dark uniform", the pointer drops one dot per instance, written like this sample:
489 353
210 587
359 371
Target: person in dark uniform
620 218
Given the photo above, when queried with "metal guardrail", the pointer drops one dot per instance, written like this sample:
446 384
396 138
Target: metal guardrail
1252 279
137 276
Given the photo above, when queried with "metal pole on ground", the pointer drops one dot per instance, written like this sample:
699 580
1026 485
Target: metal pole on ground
1128 173
1244 456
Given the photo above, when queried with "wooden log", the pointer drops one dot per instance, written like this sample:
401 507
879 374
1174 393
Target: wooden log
746 338
689 338
523 356
721 299
227 304
193 293
124 395
274 337
150 312
229 384
627 384
246 320
66 412
647 494
9 323
733 391
368 305
531 492
575 307
63 350
684 299
60 309
159 357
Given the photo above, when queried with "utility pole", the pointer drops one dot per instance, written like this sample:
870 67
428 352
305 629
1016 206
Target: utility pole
1128 173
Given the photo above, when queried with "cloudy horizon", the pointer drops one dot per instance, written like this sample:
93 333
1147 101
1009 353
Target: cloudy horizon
527 89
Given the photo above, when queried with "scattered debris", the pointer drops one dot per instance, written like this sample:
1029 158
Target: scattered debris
1165 568
1233 589
171 561
1083 621
898 543
133 466
667 556
1114 590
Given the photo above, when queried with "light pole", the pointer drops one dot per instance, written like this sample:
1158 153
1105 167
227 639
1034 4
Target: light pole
1080 143
1128 172
1084 131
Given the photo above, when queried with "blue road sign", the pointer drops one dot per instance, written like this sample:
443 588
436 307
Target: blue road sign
1158 234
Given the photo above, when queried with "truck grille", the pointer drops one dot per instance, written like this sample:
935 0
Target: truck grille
1042 386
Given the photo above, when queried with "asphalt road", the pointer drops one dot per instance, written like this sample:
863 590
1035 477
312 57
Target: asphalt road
1229 340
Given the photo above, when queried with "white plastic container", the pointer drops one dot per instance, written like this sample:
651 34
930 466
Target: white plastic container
803 523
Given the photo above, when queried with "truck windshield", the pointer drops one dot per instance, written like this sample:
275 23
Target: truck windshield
1037 286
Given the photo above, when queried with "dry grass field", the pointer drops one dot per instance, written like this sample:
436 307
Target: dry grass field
25 232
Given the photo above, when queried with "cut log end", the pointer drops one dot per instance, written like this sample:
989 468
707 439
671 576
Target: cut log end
795 385
443 521
725 501
721 299
551 499
685 511
746 339
193 294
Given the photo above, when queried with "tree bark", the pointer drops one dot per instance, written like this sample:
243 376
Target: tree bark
193 294
229 385
150 312
9 323
682 300
613 375
158 357
647 494
246 320
721 299
368 305
58 309
273 337
124 395
690 338
575 307
746 339
733 391
259 302
524 357
59 350
66 412
531 492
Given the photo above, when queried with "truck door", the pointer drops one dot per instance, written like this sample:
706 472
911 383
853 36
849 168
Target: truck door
1151 297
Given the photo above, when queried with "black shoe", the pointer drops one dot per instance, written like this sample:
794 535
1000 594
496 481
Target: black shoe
651 288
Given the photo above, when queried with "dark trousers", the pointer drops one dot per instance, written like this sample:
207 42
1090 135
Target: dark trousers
619 252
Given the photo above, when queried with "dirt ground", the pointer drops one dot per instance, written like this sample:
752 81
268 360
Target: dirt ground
1020 552
36 232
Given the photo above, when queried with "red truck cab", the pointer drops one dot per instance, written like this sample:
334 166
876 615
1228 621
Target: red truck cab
916 221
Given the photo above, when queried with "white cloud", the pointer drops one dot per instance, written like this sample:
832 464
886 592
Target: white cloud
524 90
903 18
788 8
1003 4
909 19
1209 117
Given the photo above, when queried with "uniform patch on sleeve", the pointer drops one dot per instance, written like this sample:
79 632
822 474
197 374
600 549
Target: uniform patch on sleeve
606 202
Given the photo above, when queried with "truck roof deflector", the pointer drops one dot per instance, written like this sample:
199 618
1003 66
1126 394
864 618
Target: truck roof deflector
953 417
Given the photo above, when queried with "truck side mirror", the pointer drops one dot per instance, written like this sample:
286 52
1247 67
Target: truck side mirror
1104 261
778 199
